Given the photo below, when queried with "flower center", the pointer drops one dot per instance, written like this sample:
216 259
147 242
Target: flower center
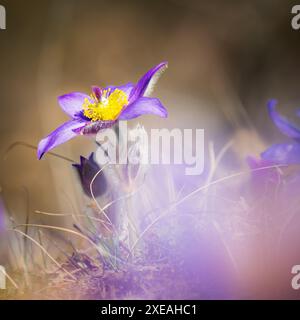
107 107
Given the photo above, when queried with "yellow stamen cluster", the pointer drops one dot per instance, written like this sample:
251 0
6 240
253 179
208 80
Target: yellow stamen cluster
108 107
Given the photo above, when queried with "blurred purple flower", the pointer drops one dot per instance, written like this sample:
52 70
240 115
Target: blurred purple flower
283 153
2 213
257 164
87 170
263 176
104 107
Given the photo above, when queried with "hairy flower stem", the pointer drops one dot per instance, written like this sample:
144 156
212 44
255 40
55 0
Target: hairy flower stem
132 227
127 221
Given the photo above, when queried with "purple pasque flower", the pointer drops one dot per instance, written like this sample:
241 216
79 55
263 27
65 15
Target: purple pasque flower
104 107
283 153
87 170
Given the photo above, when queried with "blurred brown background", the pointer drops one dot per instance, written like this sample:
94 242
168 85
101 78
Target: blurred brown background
226 58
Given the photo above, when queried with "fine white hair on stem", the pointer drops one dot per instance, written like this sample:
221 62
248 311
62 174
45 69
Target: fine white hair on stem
126 196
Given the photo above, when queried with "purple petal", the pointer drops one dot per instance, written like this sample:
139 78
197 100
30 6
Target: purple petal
71 103
92 128
97 92
144 106
283 124
62 134
127 88
147 81
285 153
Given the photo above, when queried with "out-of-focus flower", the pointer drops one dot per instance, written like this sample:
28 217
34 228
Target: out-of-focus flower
283 153
104 107
87 170
2 213
257 164
263 175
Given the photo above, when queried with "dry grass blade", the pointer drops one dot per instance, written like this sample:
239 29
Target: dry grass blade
86 216
9 278
30 146
104 253
45 251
